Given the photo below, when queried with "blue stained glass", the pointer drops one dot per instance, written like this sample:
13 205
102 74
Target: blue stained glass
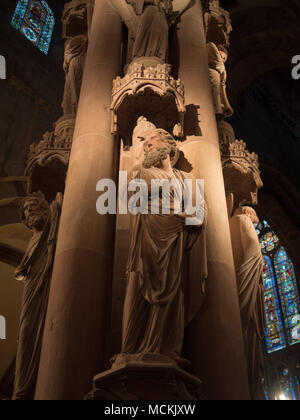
289 389
35 20
289 295
275 339
258 227
266 392
292 389
269 241
30 34
297 388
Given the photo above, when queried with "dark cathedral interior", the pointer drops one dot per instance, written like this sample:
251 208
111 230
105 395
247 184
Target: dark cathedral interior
69 114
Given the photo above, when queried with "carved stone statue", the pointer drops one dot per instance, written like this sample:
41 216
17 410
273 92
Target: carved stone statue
139 133
76 17
217 57
35 271
248 261
217 23
74 59
166 268
151 38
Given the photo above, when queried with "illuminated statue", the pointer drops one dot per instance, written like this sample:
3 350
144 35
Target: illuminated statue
35 271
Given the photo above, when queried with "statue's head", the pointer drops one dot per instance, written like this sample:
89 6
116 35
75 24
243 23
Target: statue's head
223 52
34 212
247 211
74 18
140 132
158 145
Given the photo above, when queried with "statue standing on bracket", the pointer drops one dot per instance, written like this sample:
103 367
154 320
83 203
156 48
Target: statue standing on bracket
248 261
217 56
151 38
74 59
166 268
35 271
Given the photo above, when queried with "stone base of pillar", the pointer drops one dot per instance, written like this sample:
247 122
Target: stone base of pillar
146 381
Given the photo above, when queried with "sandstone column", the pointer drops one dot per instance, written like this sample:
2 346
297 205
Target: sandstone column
214 341
75 332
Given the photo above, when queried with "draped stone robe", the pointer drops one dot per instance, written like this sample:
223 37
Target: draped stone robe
249 265
151 38
74 59
166 271
35 270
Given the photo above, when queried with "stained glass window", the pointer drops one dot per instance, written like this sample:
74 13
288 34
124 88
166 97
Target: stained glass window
35 20
289 296
289 389
269 241
275 338
282 303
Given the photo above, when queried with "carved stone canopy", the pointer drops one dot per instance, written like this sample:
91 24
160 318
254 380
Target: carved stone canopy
151 92
240 167
48 160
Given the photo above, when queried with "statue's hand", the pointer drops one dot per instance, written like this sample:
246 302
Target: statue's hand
223 77
59 198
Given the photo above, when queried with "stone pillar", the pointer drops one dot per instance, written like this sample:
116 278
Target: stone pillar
75 332
214 342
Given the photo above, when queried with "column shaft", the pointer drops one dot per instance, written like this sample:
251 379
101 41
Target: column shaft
214 341
75 331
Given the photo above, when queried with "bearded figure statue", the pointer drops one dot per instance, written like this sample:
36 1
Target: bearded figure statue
166 268
35 271
74 59
151 38
248 261
217 57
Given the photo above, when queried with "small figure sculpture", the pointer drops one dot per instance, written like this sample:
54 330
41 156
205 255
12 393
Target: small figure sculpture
248 261
76 17
217 23
74 59
161 298
35 270
139 133
217 57
151 38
